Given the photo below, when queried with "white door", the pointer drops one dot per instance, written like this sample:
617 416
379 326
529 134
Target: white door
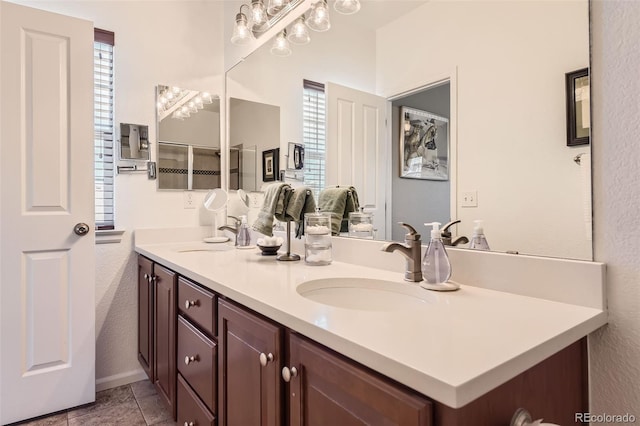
47 306
356 147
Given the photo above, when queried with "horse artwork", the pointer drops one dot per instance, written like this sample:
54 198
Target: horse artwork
424 145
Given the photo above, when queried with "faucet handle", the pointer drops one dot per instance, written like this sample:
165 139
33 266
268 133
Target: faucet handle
412 234
237 220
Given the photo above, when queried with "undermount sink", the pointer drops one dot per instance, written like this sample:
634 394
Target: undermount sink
367 294
204 247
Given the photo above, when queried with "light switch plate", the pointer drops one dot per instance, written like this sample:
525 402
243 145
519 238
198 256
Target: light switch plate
470 199
189 202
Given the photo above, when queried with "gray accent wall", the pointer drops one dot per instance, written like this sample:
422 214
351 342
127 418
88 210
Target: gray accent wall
416 201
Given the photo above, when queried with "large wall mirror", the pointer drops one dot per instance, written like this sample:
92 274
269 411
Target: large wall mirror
494 70
188 139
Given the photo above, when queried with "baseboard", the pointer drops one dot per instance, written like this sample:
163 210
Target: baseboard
120 379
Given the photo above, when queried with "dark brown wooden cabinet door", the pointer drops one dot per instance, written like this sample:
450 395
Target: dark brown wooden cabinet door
249 393
330 390
145 316
165 335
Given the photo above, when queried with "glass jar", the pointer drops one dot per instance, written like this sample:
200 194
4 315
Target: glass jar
361 225
317 244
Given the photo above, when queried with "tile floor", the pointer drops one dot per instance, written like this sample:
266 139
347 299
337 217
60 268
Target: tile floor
134 404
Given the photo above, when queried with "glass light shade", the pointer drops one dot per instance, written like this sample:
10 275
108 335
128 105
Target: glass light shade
319 18
347 7
241 32
258 15
206 97
192 106
281 45
276 6
198 102
298 33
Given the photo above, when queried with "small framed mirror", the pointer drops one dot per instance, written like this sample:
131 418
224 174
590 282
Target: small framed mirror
134 142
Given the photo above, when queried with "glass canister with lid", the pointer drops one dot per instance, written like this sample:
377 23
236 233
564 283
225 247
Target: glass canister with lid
317 245
361 224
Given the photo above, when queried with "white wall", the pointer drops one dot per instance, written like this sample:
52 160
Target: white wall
158 42
615 350
511 104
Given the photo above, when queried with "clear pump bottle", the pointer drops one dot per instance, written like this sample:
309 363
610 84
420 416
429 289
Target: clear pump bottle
478 240
244 236
436 268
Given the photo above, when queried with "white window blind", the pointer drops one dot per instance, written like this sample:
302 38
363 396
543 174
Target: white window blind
103 127
313 107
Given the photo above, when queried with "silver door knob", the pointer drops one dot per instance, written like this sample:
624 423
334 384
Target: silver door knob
189 359
190 303
265 358
287 373
189 423
81 228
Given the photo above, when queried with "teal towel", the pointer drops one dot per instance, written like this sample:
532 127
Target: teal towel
275 201
300 203
339 201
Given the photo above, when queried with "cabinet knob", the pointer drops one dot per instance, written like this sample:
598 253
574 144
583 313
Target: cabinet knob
146 277
189 424
190 303
265 358
288 373
189 359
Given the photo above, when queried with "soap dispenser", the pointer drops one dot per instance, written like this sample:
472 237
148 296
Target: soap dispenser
478 240
244 236
436 268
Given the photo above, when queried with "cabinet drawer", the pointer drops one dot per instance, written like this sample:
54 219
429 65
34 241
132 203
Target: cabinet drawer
190 408
197 362
198 305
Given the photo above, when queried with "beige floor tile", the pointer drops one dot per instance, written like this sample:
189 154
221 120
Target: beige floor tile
117 397
143 388
154 410
58 419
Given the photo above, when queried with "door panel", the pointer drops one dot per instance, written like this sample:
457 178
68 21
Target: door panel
47 295
356 123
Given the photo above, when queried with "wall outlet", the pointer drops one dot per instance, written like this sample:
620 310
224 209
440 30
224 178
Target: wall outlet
470 199
189 201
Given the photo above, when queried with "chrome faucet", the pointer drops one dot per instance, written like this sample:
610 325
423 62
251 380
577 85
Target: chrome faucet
233 229
446 235
411 250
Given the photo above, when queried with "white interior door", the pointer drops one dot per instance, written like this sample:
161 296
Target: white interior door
356 147
47 295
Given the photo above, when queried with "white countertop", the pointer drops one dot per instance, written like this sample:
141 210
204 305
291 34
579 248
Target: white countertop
454 348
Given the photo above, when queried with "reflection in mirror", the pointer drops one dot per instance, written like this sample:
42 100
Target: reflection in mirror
254 127
188 139
510 165
134 142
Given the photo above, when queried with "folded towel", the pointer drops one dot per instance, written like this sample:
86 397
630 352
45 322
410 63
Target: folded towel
300 203
339 201
275 201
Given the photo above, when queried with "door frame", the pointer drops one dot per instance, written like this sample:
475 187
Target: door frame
428 81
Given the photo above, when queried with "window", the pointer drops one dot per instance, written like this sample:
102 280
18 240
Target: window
313 116
103 127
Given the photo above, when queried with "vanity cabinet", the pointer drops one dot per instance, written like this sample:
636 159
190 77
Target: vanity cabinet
214 361
145 316
165 335
197 354
326 388
250 386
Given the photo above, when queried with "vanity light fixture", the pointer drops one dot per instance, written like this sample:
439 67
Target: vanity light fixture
347 7
259 15
180 103
242 34
276 6
281 45
299 33
319 17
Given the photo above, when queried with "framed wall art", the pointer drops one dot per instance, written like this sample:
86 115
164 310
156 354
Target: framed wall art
270 164
578 107
424 145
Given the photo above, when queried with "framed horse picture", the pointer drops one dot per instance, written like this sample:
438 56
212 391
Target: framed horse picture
424 145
